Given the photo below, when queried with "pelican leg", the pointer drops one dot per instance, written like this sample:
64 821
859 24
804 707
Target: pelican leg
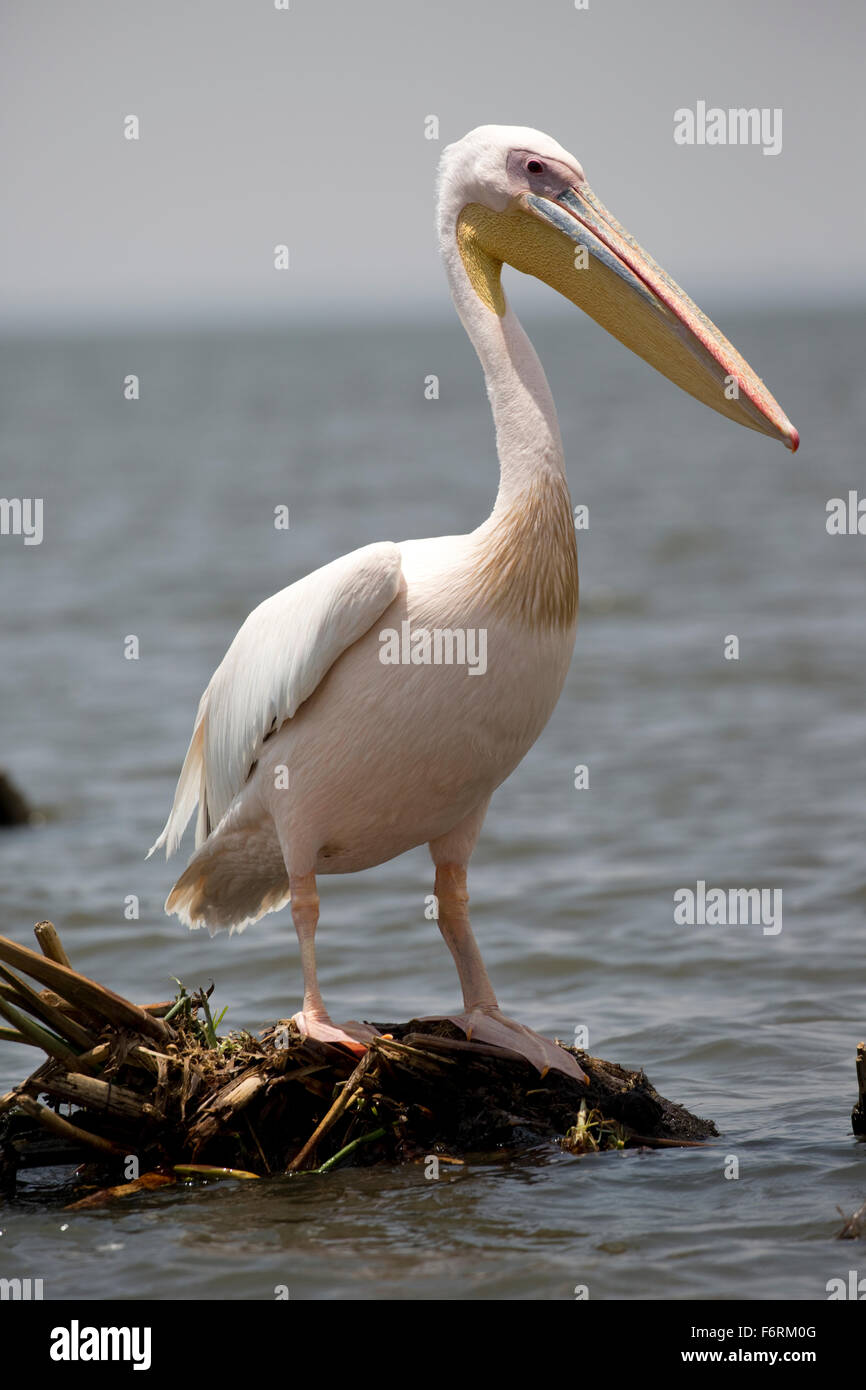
453 900
482 1020
314 1021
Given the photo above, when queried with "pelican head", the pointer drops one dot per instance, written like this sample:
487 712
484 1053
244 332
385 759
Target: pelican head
514 195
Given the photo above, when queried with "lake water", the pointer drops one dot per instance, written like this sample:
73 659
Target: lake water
158 522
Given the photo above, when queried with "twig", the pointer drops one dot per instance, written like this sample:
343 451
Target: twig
335 1111
258 1145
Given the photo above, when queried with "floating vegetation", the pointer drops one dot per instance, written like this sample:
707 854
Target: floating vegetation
592 1133
143 1097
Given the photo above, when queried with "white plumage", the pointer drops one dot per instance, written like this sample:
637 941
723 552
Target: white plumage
274 664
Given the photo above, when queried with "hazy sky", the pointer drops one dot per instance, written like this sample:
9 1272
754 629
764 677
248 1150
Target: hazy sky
306 127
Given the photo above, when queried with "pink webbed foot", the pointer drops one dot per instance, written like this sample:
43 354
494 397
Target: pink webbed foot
355 1036
492 1026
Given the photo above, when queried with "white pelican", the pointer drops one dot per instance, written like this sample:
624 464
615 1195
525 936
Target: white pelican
310 753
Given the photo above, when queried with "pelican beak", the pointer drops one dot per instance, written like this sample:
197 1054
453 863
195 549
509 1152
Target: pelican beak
577 247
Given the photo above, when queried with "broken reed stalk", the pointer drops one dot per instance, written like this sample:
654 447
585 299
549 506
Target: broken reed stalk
17 991
104 1097
189 1105
57 1125
50 944
336 1110
92 998
38 1036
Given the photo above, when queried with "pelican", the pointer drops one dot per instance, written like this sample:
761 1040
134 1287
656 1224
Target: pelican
319 747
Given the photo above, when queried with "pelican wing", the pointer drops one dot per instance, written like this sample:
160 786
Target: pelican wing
281 653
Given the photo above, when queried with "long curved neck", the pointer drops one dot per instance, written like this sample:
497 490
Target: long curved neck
527 432
526 562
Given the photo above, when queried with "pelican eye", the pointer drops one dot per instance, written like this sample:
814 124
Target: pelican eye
535 166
